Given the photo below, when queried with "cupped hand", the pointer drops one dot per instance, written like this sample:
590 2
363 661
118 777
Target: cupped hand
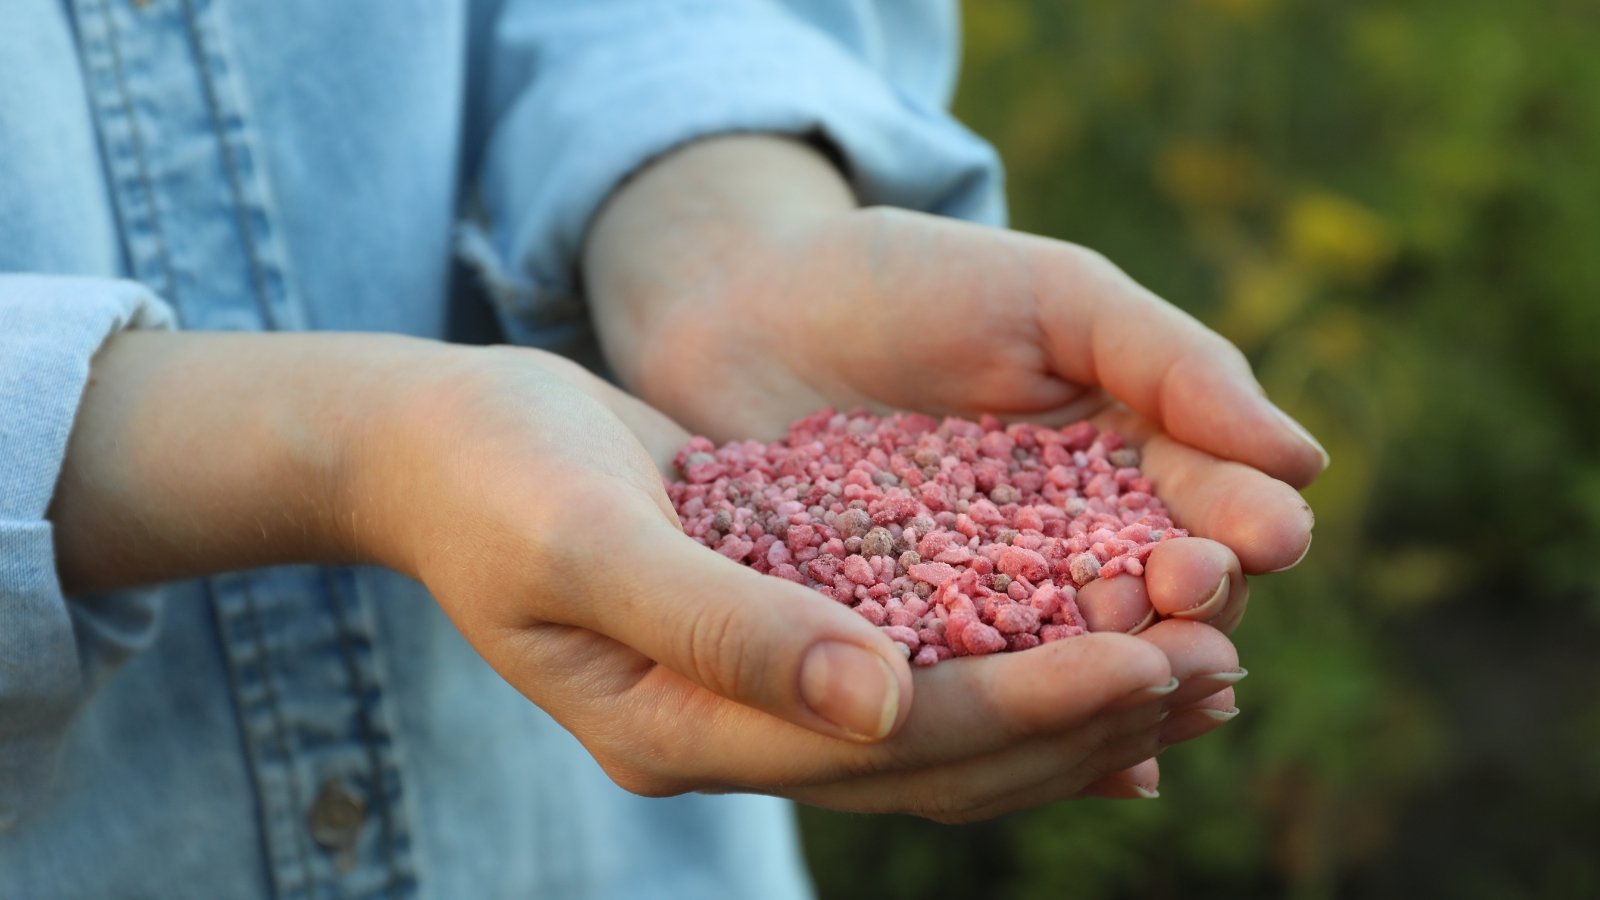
742 318
526 494
737 287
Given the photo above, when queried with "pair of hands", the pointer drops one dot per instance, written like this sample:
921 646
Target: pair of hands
736 287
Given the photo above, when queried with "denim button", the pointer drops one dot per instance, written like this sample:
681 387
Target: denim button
336 817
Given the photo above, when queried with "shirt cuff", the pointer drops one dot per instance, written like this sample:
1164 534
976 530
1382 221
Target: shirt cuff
50 329
599 110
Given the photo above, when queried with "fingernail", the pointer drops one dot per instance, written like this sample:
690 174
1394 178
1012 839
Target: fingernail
1298 560
1192 723
1233 677
1145 695
1211 603
851 687
1148 620
1145 792
1301 432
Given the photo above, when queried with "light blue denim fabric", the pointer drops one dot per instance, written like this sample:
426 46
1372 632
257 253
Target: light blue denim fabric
324 164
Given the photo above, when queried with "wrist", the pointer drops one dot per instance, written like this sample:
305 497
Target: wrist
676 239
195 453
378 435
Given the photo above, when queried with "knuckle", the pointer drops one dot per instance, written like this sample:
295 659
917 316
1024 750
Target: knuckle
1118 754
1209 350
900 755
719 658
954 800
1092 260
890 757
643 764
641 781
1099 733
641 759
1229 353
1091 268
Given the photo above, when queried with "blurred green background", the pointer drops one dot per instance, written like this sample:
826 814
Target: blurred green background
1394 208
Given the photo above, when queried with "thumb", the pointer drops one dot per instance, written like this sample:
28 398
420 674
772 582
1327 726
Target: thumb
761 641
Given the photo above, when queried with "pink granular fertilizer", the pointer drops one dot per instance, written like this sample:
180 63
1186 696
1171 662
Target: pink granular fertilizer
956 538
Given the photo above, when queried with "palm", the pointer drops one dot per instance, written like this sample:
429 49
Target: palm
916 319
914 313
889 309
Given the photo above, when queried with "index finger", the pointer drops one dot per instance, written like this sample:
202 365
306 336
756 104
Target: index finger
1104 328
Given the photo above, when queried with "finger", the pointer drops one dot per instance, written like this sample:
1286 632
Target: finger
754 639
1119 754
1104 328
1266 523
979 704
965 708
1116 604
1230 618
1202 659
1141 781
1193 578
1012 778
1205 715
971 706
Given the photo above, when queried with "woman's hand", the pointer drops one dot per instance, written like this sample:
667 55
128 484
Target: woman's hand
530 504
737 287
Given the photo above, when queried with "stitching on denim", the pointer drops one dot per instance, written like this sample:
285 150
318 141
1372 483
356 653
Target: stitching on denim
136 138
381 763
231 164
221 617
247 611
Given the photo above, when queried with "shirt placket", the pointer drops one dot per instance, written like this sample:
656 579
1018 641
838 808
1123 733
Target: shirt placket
307 675
198 226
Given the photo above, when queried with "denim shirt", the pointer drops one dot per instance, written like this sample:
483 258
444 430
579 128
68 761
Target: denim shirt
306 164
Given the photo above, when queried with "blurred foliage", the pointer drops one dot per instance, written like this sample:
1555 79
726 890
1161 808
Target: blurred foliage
1394 208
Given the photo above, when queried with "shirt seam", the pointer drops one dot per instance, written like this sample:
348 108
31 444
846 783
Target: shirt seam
141 157
231 164
252 621
369 736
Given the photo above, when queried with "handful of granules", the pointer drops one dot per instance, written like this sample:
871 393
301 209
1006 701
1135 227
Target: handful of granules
956 538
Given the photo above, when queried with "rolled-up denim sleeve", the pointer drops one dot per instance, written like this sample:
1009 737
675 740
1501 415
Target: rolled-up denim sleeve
583 94
50 329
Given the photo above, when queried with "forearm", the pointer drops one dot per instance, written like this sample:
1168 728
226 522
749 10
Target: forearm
195 453
682 224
